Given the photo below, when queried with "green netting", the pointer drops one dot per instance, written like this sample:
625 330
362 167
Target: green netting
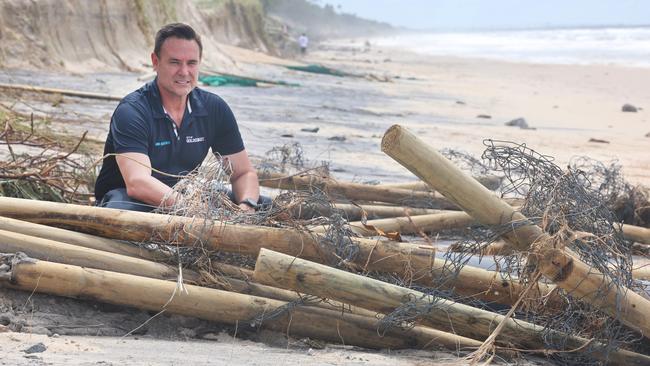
234 80
223 80
319 69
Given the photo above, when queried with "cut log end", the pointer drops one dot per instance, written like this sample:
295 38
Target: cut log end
391 138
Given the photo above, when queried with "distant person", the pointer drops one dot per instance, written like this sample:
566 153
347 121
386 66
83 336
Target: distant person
165 129
303 42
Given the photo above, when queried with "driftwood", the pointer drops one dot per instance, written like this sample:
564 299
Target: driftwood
354 212
81 239
243 239
636 233
414 224
360 192
73 93
281 270
63 253
414 262
490 182
216 305
55 251
354 191
564 268
106 245
409 225
641 269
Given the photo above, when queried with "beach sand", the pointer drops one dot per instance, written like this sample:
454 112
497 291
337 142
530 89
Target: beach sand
438 98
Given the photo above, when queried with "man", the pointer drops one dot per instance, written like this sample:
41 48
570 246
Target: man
303 42
164 130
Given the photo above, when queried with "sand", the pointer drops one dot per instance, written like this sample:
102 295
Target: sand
439 98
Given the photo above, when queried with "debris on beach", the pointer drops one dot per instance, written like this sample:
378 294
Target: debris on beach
320 69
600 141
325 70
337 138
387 243
214 78
347 242
37 348
310 129
629 108
73 93
519 122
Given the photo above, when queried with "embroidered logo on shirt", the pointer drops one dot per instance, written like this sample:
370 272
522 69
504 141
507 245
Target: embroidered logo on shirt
162 143
192 139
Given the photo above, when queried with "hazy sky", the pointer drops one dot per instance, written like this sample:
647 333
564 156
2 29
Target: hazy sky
498 13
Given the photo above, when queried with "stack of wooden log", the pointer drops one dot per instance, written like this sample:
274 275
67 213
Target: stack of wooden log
79 251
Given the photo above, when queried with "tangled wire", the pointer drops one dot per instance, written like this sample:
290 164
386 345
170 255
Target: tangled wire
562 203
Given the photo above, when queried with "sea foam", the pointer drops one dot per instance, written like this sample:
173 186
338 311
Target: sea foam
618 46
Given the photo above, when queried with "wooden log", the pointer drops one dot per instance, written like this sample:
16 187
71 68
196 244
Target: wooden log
410 261
80 239
444 220
73 93
53 251
211 304
641 269
353 212
566 270
636 233
234 238
414 224
354 191
106 245
281 270
490 182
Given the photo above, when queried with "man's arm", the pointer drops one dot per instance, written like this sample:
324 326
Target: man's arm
136 170
243 179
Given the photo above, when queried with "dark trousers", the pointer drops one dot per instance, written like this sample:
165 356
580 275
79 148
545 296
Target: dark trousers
118 199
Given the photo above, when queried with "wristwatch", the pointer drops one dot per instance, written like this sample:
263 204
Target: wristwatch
250 202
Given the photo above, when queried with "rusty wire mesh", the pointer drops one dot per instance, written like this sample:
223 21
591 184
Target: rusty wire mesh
562 203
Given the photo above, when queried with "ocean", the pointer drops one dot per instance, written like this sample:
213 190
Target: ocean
628 46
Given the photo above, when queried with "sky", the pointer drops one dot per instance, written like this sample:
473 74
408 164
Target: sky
481 14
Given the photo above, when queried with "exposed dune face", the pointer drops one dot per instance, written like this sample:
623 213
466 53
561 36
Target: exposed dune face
113 35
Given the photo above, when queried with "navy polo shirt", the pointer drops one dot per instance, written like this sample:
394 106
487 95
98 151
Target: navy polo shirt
140 124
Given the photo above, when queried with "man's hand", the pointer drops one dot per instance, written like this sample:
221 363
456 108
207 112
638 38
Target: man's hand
243 179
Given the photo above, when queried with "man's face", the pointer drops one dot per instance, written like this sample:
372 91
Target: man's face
177 66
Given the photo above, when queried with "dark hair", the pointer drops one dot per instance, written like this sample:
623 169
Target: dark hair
178 30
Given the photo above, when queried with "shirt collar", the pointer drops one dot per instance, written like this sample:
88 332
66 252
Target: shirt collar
189 107
194 104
